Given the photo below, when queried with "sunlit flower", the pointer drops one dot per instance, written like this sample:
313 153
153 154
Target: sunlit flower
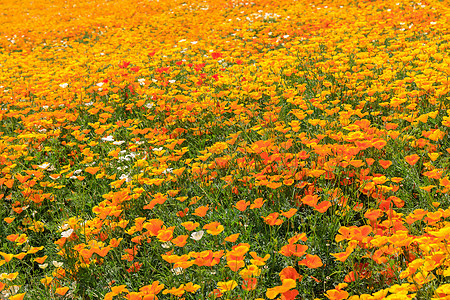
109 138
67 233
213 228
227 286
197 235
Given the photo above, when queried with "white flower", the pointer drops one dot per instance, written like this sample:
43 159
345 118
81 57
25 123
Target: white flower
47 166
57 264
197 235
43 266
126 177
67 233
100 84
172 81
149 105
54 177
109 138
177 271
44 165
168 170
64 85
64 227
27 246
141 81
11 291
89 103
127 157
118 143
158 149
166 245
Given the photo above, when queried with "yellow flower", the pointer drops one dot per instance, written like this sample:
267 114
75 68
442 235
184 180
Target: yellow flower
227 286
191 288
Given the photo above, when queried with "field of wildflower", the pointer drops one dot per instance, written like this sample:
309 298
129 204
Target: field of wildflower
224 149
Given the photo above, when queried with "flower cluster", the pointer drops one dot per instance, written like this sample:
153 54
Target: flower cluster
232 149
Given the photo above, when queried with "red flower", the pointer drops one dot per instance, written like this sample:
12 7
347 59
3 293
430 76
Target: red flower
135 267
412 159
216 55
124 64
249 284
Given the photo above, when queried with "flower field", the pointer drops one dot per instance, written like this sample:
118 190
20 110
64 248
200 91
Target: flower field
224 149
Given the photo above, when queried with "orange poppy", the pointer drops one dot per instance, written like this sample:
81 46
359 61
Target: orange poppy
385 163
289 272
235 265
180 240
7 256
9 220
287 284
298 237
311 261
370 161
62 290
191 288
40 260
342 256
17 296
190 225
227 286
272 219
323 206
373 215
241 205
153 226
336 294
213 228
175 291
412 159
289 295
258 261
232 238
249 284
296 250
310 200
92 170
288 214
165 235
201 211
258 203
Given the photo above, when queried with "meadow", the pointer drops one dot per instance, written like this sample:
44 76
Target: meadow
224 149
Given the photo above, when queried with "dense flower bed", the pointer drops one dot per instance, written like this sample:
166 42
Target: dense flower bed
224 149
